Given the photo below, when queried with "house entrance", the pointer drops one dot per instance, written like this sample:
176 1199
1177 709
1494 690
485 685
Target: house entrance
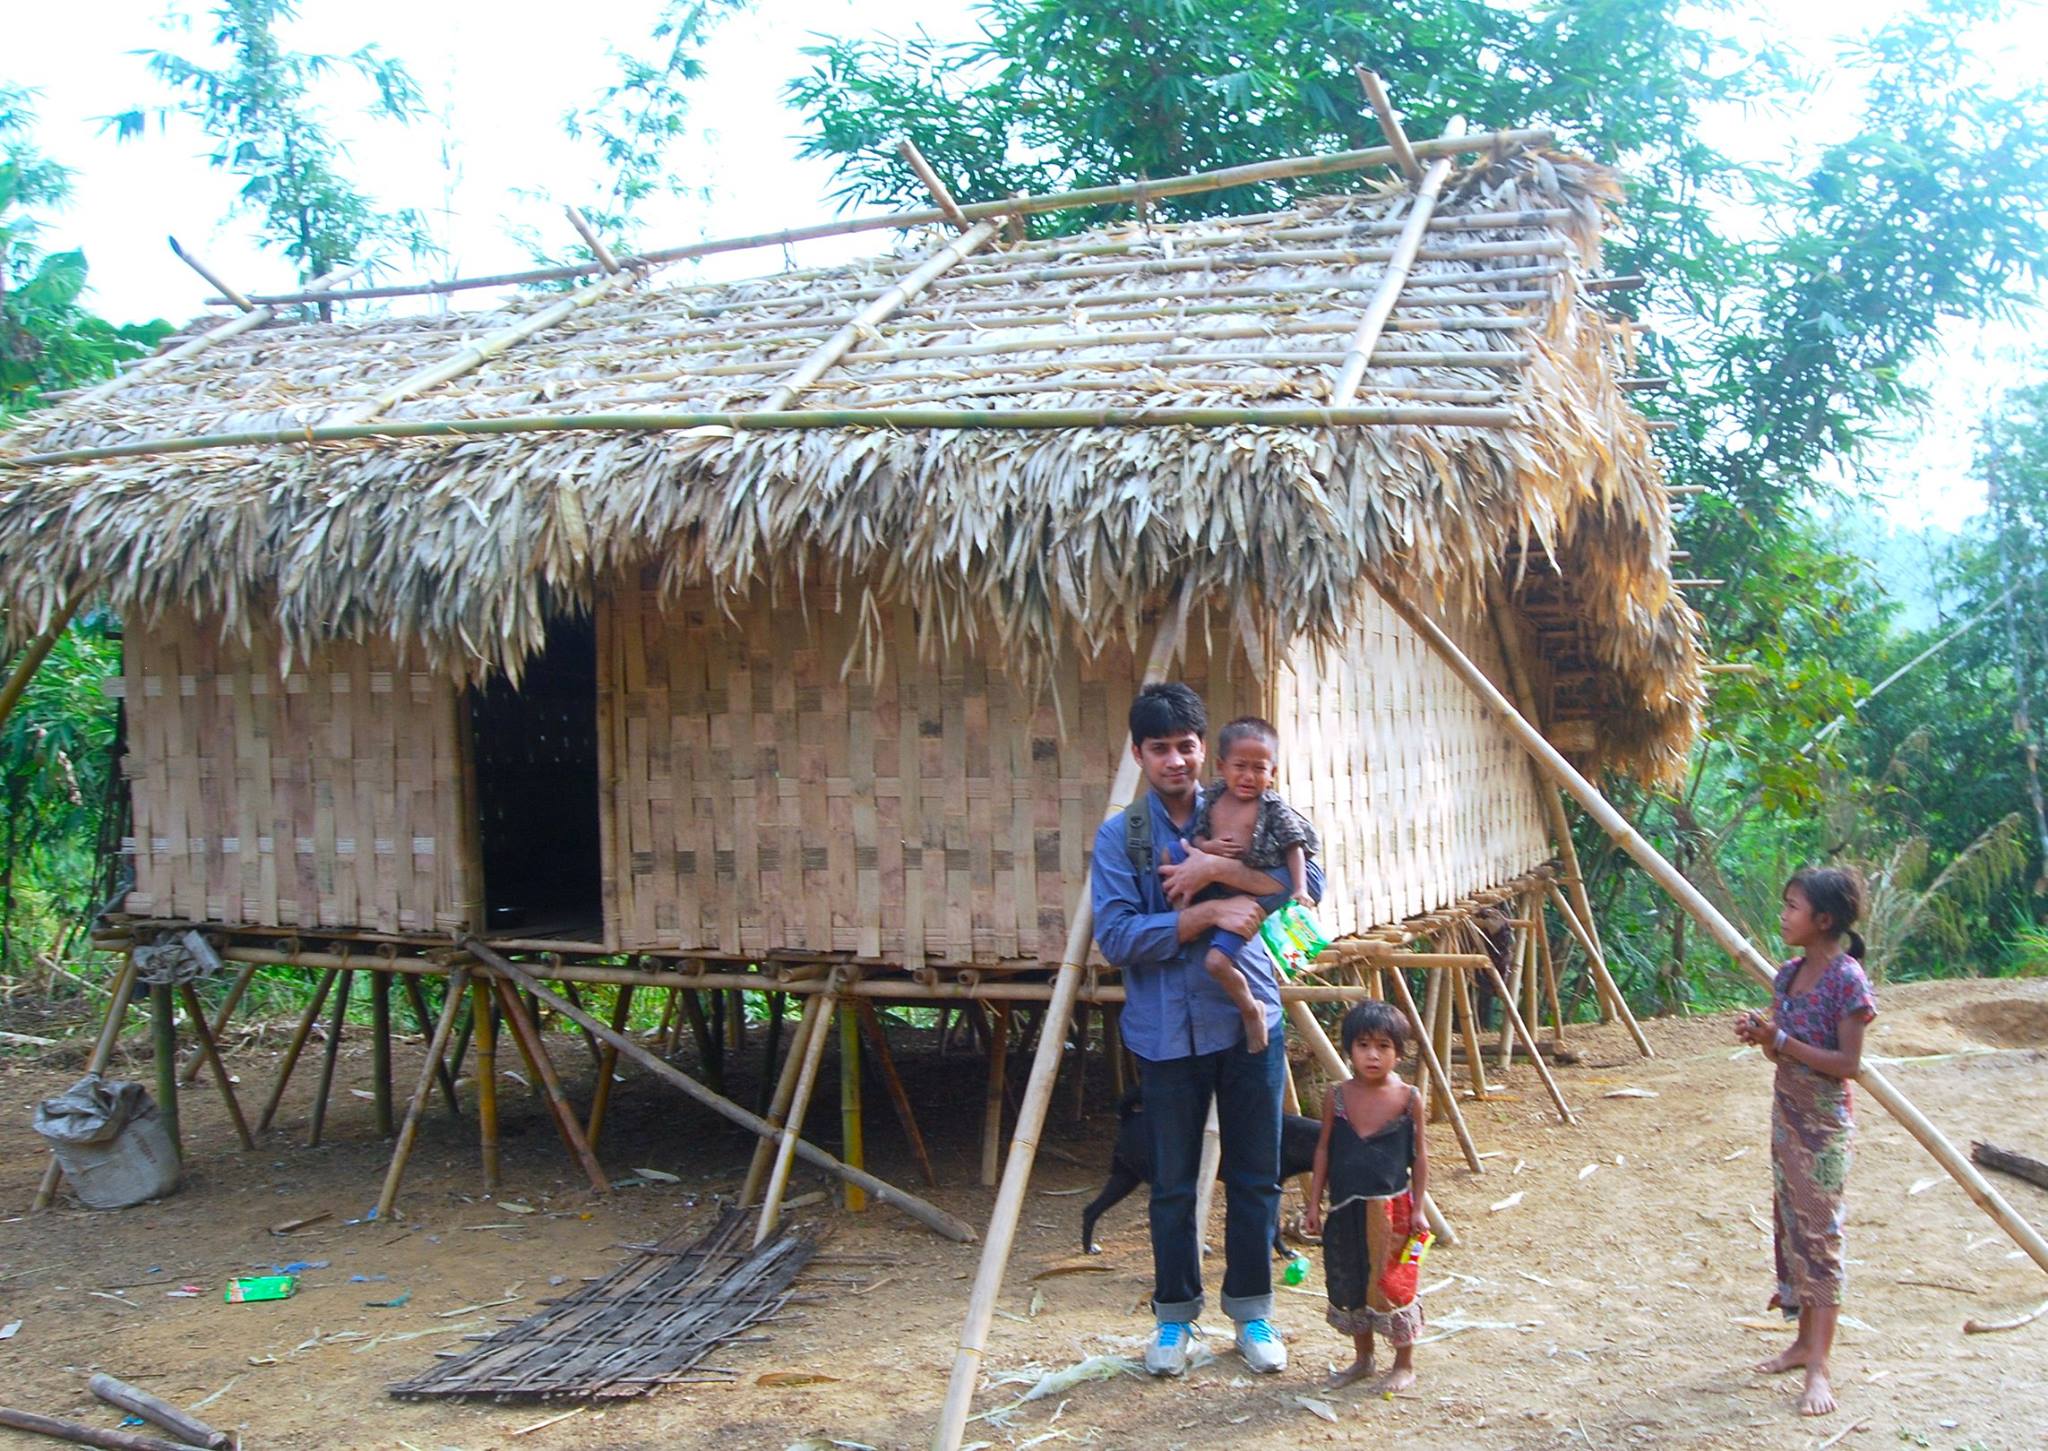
535 749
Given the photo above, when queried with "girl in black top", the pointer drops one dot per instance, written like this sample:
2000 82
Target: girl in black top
1373 1160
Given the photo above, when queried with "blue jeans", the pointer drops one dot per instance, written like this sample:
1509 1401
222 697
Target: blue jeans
1246 1088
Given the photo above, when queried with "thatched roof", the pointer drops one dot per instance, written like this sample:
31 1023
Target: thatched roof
1022 537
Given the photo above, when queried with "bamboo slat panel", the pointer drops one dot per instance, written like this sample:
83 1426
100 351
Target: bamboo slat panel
763 798
330 796
1419 796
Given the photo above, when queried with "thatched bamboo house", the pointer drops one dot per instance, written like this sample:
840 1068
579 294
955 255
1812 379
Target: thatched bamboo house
855 691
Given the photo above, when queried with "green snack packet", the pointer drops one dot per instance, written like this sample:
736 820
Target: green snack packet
260 1287
1293 938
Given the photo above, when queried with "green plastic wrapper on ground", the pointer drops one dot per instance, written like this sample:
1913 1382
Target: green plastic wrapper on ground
260 1287
1293 938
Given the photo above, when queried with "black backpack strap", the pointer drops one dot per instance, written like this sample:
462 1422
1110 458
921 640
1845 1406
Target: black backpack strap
1138 835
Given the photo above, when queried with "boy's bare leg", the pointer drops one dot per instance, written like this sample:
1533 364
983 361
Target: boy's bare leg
1360 1368
1402 1376
1233 982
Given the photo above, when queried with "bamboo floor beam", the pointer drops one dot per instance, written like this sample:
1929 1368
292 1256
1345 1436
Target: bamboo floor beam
331 1051
415 1109
885 1061
785 1092
526 1033
1002 1228
194 1061
1982 1193
791 1133
195 1013
102 1055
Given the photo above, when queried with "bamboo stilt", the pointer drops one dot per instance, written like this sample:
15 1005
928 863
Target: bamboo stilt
483 1013
878 1039
1521 1027
1724 932
380 1053
416 997
771 1045
852 1139
666 1032
1078 1106
1337 1070
164 1031
327 1057
102 1055
785 1090
1513 984
195 1013
1436 1089
194 1061
1427 1048
1458 989
1598 964
526 1033
992 1109
1549 967
408 1133
710 1052
792 1131
1002 1228
589 1039
607 1066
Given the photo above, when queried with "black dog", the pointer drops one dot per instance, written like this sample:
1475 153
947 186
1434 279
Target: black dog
1131 1163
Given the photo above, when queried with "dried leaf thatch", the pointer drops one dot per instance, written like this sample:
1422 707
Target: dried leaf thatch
1018 540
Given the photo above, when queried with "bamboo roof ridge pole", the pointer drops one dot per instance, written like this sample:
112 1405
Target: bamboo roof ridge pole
785 1091
1120 194
1390 124
1293 416
208 273
929 1215
1709 917
102 1054
1045 1063
458 988
1337 1070
841 343
907 149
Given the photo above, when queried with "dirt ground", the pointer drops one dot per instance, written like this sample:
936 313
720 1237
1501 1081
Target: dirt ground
1616 1303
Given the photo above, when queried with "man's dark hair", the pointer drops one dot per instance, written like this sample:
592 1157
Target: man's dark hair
1375 1015
1246 728
1167 709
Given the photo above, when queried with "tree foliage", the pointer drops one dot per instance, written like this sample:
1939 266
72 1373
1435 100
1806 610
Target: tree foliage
253 97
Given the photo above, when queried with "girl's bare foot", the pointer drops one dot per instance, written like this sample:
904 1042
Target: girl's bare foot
1400 1378
1818 1399
1351 1374
1791 1357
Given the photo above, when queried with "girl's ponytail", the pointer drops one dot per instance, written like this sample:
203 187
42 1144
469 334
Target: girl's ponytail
1835 893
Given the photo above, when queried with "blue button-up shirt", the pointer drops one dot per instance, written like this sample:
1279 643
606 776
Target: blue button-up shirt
1172 1007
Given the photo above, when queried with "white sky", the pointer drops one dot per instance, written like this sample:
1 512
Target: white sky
503 86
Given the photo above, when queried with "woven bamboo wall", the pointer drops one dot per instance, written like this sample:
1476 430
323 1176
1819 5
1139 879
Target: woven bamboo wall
328 797
1419 795
762 800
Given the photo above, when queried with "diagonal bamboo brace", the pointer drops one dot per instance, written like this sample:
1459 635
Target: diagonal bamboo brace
1724 932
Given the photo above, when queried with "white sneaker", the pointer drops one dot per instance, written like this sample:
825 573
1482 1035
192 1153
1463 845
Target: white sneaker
1259 1343
1168 1352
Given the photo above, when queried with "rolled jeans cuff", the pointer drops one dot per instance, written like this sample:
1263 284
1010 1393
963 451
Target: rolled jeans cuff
1183 1312
1241 1308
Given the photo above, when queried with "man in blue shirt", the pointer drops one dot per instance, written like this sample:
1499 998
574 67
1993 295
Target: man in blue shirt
1188 1037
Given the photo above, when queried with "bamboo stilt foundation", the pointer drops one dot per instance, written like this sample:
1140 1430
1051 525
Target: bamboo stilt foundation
483 1013
526 1033
164 1036
791 1132
1520 1025
1598 963
992 1103
300 1033
380 1053
328 1056
607 1066
416 998
193 1063
408 1133
878 1040
852 1137
1724 932
195 1013
785 1091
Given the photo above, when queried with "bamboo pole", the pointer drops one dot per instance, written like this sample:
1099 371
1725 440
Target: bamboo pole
210 276
102 1055
1337 1070
992 1103
1390 124
852 1139
416 997
1622 1010
138 1402
1002 1227
710 1052
408 1133
881 1192
878 1039
1435 1065
32 658
1521 1027
969 419
785 1091
195 1012
164 1037
607 1065
483 1012
791 1133
80 1434
840 344
591 239
194 1062
291 1050
1459 986
941 196
1399 262
1277 169
380 1053
1724 932
526 1033
327 1057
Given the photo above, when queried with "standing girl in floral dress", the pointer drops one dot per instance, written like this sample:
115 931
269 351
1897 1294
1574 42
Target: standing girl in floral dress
1820 1005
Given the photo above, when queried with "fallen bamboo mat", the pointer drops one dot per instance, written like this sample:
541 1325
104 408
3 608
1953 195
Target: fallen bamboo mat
649 1323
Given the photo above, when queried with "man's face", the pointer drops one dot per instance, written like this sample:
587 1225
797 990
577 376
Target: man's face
1172 764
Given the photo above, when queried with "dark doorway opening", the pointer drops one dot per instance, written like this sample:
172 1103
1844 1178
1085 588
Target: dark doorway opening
535 748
